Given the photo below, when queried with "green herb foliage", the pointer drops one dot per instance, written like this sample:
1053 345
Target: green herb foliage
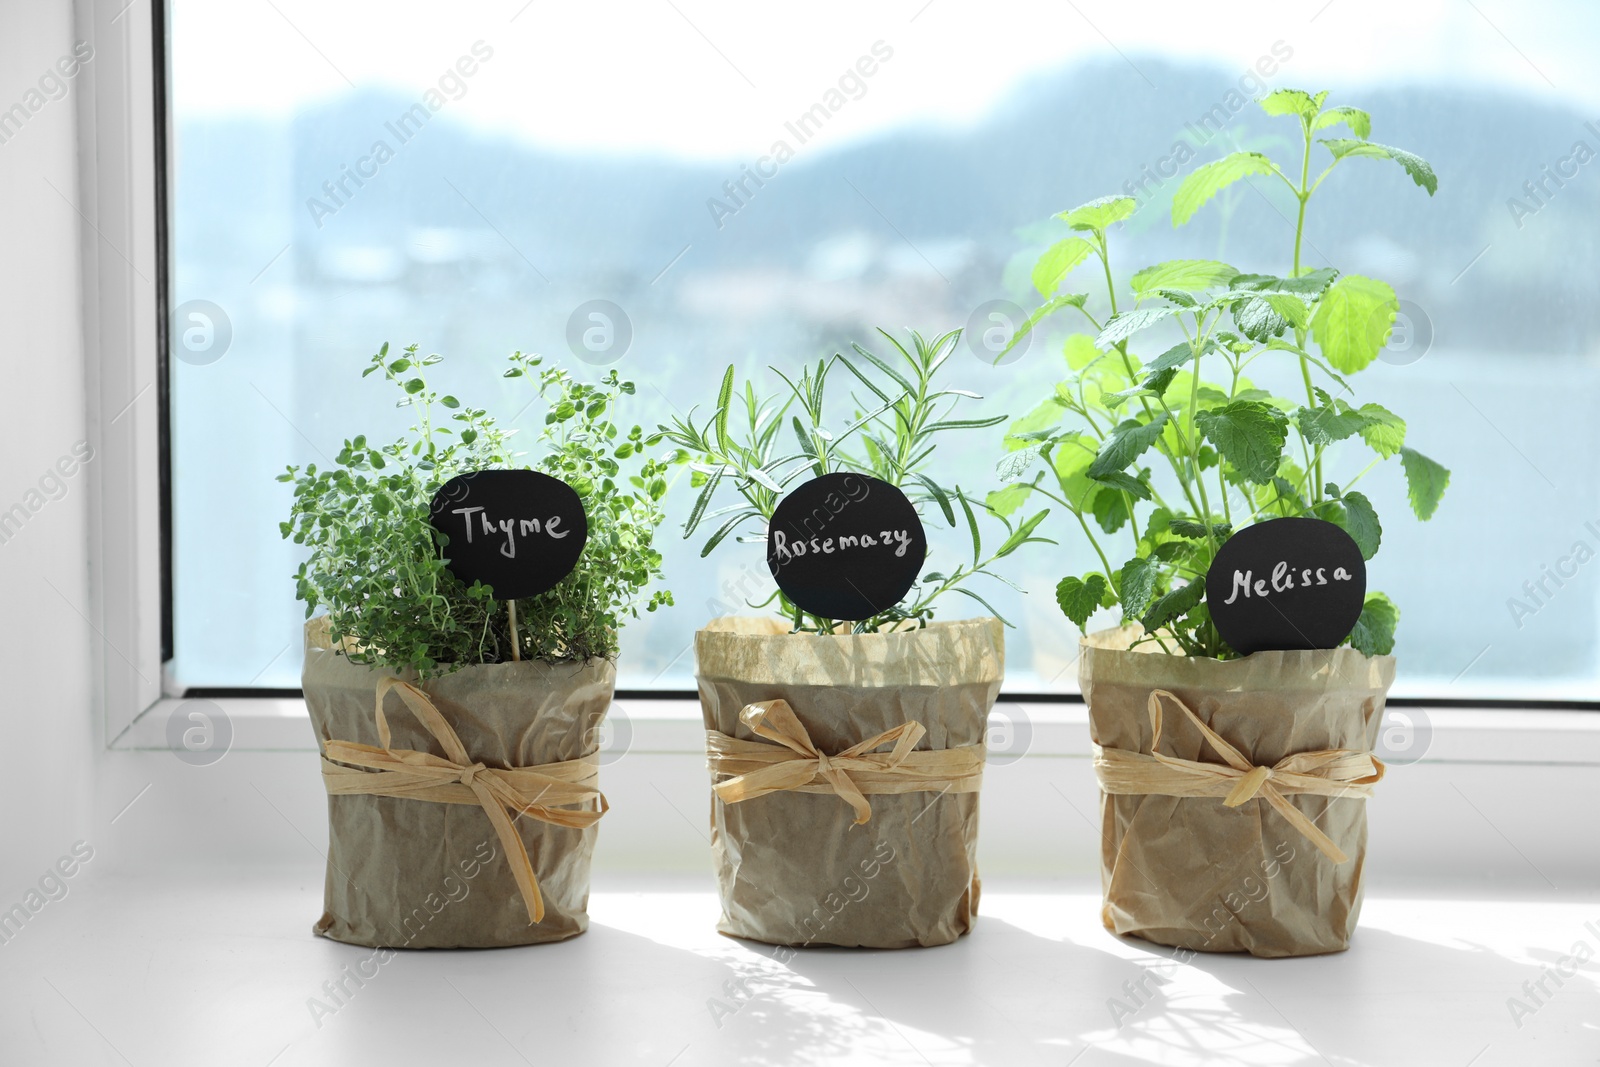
374 564
899 411
1230 454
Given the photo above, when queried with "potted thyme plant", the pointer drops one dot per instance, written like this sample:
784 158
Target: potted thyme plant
1158 440
819 836
462 812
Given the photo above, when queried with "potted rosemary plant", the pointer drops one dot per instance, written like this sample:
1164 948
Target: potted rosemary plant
462 810
1232 785
847 751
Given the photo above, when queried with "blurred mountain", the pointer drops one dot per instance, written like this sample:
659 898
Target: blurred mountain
328 233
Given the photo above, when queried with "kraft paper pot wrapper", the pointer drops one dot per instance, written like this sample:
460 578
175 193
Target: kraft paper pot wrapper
792 867
417 873
1190 872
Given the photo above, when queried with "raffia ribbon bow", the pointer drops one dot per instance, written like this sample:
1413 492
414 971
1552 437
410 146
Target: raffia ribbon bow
543 792
1333 772
795 764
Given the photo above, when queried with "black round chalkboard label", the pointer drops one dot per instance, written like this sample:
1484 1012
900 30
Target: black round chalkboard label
519 532
1286 584
845 546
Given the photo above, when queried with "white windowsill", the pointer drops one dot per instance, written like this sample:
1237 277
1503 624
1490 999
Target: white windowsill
1038 980
668 727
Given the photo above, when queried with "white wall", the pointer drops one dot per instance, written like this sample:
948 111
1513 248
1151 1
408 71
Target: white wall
49 654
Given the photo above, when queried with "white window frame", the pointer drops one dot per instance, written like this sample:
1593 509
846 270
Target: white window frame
122 289
123 169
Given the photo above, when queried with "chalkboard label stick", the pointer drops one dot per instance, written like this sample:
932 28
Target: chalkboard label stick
845 546
520 532
1294 583
516 651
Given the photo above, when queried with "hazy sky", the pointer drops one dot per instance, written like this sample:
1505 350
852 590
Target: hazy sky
717 79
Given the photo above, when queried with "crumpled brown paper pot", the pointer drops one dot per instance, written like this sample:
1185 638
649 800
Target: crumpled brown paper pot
794 865
422 873
1189 870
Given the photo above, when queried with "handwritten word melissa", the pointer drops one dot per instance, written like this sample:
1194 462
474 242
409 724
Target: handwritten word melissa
511 528
785 549
1282 580
1286 605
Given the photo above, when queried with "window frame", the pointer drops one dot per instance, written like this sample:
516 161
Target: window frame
126 138
122 147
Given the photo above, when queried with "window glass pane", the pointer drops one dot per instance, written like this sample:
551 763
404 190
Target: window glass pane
756 187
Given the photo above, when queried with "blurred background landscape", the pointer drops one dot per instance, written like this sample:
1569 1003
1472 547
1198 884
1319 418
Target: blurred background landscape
481 235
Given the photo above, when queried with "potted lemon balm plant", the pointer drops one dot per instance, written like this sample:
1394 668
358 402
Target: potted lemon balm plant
1233 778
